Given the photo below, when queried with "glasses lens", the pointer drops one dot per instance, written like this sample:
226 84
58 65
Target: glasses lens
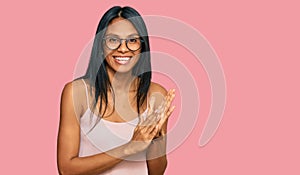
133 43
112 42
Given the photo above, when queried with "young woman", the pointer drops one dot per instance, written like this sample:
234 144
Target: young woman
114 119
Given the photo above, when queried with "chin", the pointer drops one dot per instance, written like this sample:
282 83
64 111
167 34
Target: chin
122 70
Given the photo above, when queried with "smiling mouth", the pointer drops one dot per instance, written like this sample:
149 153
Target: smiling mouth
122 59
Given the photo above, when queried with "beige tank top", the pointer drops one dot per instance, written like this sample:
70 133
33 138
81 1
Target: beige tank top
107 135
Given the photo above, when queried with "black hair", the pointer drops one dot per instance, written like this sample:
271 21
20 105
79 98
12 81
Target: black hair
96 72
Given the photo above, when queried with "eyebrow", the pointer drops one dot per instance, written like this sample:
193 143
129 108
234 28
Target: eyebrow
112 34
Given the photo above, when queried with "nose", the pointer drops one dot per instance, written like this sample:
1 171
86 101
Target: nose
123 48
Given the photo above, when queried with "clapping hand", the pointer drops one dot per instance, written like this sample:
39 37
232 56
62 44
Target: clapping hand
150 128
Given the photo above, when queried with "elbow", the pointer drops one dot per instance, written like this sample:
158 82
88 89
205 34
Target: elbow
166 163
61 171
165 166
64 169
158 168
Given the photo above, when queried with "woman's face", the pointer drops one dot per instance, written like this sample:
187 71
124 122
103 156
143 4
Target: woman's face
123 58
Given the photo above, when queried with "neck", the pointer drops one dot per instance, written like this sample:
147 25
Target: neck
121 81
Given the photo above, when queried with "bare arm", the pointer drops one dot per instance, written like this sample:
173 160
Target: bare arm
69 140
156 153
156 156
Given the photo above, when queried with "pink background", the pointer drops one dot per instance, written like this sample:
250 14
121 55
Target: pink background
258 46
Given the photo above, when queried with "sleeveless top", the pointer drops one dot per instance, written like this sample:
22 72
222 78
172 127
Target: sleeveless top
106 135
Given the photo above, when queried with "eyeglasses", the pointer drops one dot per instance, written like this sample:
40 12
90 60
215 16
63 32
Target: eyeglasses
132 43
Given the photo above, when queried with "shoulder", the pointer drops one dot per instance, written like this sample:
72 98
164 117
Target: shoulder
157 88
71 88
75 90
74 86
74 96
68 89
158 92
77 84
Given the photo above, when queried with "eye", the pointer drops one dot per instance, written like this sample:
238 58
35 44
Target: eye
112 40
132 40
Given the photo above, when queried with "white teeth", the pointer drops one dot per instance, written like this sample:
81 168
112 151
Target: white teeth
122 58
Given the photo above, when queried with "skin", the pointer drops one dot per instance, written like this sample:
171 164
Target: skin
152 129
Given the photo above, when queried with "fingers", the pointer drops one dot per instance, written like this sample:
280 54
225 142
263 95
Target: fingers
150 120
164 117
156 118
168 100
150 109
167 110
147 129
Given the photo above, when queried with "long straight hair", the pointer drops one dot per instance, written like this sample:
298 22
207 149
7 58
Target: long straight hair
96 72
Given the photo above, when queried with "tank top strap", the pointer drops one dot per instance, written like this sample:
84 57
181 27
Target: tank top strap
86 94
